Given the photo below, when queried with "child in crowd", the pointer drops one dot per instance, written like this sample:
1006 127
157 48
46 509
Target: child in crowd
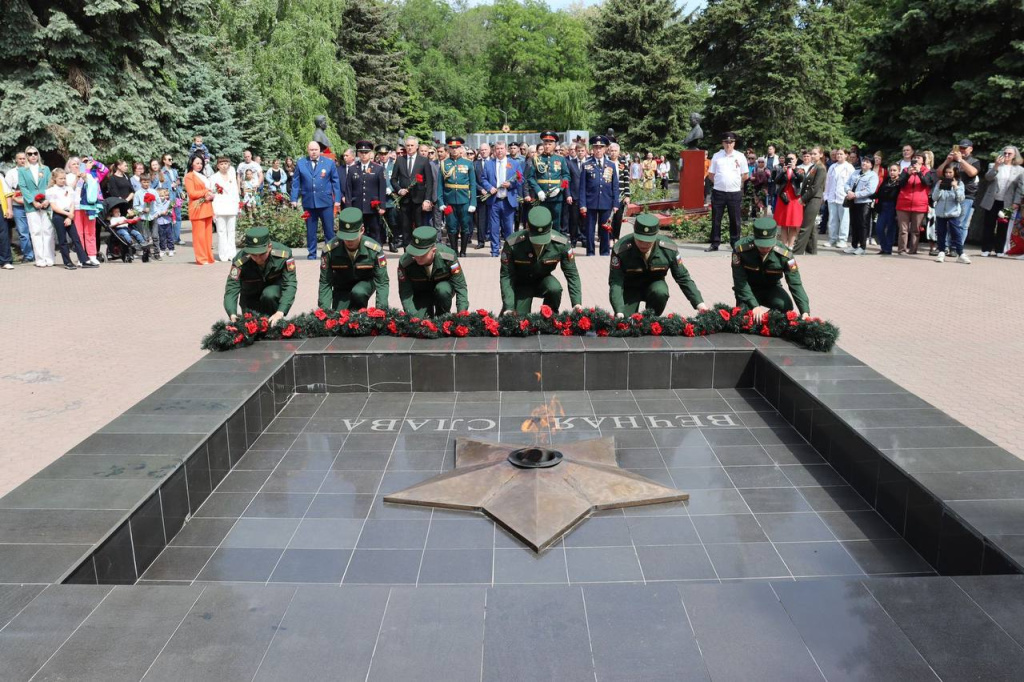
250 198
198 146
886 227
62 204
125 227
948 196
164 222
145 207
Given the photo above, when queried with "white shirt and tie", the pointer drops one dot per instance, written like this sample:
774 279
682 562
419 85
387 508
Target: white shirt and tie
499 172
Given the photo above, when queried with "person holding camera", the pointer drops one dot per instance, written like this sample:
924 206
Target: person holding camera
916 182
789 210
1002 178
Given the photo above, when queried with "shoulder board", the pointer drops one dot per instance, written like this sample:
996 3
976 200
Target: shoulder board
240 259
516 237
783 251
667 243
447 253
558 238
405 261
280 250
371 244
623 244
745 244
333 244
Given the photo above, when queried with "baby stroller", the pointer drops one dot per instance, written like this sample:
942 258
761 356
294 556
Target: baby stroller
117 248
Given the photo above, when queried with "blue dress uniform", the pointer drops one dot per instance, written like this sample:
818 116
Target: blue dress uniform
319 186
456 187
545 176
599 196
366 185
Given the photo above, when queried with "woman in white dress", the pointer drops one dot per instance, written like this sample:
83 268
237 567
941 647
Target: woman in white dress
224 186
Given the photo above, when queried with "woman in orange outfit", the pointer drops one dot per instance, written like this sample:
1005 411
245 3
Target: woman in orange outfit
200 211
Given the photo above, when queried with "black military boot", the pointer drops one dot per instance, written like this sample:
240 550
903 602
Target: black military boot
465 241
453 242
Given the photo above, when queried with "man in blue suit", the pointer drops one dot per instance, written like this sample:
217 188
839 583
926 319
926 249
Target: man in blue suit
318 185
599 195
503 180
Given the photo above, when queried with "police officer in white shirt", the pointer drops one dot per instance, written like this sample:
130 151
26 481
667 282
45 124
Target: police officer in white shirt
727 173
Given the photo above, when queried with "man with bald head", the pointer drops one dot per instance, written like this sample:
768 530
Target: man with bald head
318 185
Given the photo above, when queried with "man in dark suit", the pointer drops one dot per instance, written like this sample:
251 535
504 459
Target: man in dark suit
811 193
571 221
318 184
368 191
413 183
483 203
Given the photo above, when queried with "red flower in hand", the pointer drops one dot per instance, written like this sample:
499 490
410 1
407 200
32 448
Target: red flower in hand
519 176
545 311
40 197
305 215
725 314
565 184
148 197
448 210
288 331
656 328
220 190
419 177
374 204
241 204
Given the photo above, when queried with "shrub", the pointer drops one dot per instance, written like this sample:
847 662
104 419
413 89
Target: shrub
285 223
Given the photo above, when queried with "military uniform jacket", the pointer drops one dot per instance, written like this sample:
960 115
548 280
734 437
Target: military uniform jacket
413 278
456 183
338 270
365 187
521 265
248 279
629 270
599 185
752 272
545 174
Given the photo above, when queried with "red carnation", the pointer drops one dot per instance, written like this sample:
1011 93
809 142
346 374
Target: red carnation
725 314
447 327
343 316
483 313
320 314
448 210
239 339
519 176
264 324
636 317
546 312
523 324
462 313
491 326
461 330
430 325
375 312
353 325
792 315
602 332
241 204
793 323
148 197
736 310
419 177
374 204
656 328
392 327
688 330
331 324
220 190
567 331
288 331
231 329
565 184
622 325
305 215
765 331
40 197
584 323
252 327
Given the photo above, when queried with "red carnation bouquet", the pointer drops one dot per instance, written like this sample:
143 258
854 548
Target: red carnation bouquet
374 204
519 176
40 198
448 210
565 184
148 197
218 188
416 181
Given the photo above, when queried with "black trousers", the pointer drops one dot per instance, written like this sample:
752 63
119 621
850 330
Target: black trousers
410 216
992 237
374 228
67 239
617 219
860 221
482 217
722 202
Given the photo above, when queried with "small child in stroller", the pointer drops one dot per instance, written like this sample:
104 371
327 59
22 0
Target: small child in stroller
124 227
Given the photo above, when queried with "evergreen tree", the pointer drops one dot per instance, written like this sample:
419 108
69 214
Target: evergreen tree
367 40
939 70
639 83
777 69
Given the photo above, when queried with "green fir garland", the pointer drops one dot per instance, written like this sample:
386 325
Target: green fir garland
813 333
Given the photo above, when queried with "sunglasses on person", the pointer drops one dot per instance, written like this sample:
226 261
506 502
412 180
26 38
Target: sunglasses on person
32 153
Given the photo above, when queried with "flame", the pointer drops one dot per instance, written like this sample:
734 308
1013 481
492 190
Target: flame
542 422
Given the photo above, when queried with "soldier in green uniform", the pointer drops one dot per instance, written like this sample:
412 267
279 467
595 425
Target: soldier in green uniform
547 177
758 263
262 277
429 276
352 267
639 264
527 260
456 187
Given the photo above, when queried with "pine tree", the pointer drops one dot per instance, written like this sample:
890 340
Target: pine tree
778 69
939 70
367 40
639 83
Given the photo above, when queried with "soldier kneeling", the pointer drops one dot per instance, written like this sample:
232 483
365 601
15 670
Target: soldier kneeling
527 260
758 265
429 276
262 277
353 267
639 264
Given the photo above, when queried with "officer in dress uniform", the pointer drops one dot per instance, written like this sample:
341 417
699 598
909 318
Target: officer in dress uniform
639 264
368 190
262 277
758 264
390 218
528 260
547 177
429 277
599 195
456 187
352 267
